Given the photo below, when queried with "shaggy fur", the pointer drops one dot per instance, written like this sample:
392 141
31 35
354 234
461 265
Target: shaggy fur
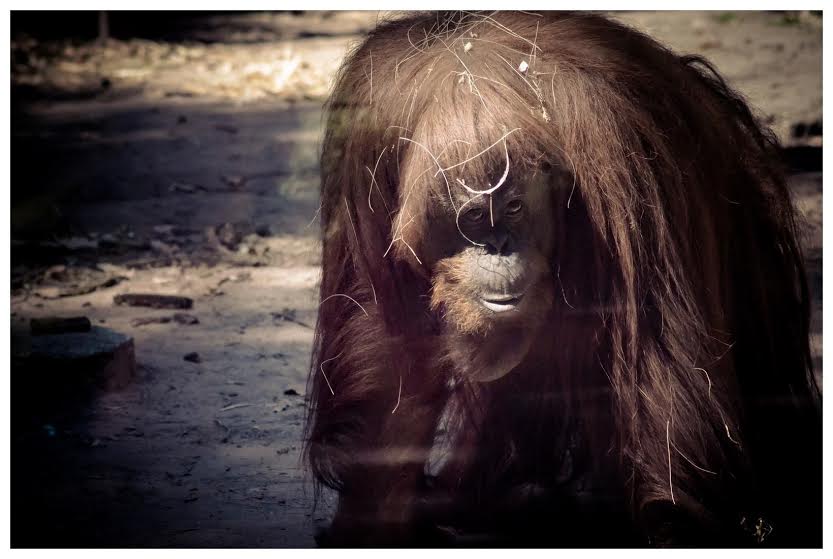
668 395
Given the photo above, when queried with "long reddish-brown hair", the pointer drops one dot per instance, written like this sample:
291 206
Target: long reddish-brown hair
680 291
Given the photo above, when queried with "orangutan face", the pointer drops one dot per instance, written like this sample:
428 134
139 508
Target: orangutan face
493 281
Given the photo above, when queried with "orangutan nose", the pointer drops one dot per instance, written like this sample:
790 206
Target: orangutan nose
497 242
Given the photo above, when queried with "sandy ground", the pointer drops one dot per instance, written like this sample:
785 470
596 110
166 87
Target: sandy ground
190 168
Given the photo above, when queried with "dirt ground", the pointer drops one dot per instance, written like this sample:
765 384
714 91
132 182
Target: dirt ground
186 164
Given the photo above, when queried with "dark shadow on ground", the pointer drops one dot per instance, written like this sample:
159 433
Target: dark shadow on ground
188 455
179 26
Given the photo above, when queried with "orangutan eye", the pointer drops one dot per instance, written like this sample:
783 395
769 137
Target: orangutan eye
514 207
474 215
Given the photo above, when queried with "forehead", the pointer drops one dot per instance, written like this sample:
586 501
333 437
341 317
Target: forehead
446 171
529 185
532 185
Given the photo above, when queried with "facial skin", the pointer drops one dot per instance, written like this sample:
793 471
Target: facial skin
497 267
494 285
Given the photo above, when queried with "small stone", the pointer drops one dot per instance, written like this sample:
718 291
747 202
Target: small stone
186 319
153 301
192 357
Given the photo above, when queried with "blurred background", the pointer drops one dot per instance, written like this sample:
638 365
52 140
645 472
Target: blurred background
164 188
